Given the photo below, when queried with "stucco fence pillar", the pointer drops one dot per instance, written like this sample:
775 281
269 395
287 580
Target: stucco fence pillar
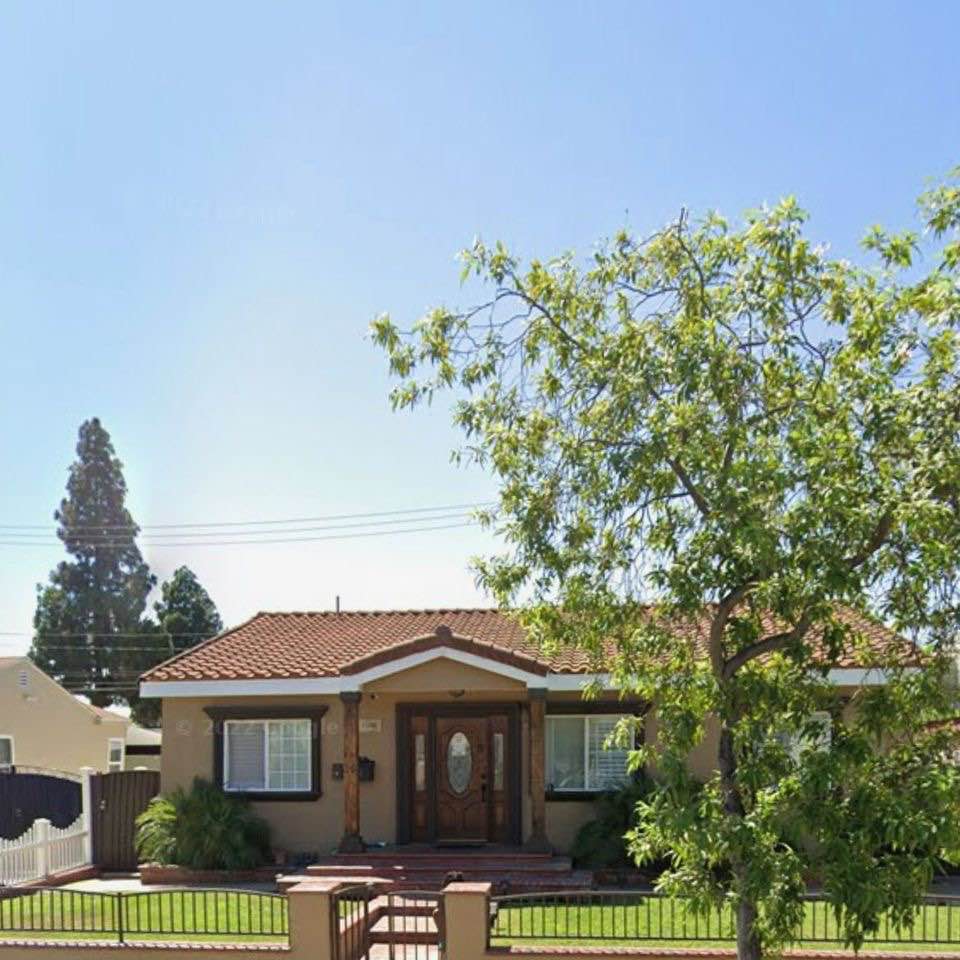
466 908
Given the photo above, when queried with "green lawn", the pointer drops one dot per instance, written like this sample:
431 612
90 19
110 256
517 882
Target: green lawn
665 922
200 916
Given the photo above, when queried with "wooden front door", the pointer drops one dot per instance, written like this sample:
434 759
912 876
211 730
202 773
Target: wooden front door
463 780
458 773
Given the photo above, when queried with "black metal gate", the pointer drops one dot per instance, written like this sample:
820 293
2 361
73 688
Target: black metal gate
350 923
117 799
25 797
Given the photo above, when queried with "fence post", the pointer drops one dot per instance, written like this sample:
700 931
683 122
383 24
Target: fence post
42 833
86 795
466 909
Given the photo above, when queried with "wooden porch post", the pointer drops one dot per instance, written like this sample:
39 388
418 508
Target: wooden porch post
352 841
537 841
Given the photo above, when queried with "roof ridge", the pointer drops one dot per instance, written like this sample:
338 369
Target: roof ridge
384 611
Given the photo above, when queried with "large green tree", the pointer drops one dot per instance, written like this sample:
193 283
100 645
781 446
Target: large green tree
185 615
185 612
89 614
754 437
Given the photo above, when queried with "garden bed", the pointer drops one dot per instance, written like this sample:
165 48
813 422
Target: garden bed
157 874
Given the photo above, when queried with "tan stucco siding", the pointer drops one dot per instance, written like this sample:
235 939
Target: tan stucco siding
316 826
296 826
50 728
139 761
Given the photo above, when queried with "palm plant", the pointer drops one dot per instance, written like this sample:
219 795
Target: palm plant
203 829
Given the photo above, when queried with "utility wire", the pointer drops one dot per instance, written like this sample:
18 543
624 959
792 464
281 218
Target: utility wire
253 523
229 543
98 538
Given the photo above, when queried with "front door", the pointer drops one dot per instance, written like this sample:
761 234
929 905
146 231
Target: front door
458 773
463 775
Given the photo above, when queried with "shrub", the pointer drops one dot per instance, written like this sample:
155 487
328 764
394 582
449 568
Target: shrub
203 829
600 843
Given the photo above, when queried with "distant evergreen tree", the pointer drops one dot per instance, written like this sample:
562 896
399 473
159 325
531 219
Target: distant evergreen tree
89 615
186 615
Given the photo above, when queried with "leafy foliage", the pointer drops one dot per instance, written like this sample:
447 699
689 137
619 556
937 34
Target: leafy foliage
713 445
203 829
186 613
86 614
186 616
602 842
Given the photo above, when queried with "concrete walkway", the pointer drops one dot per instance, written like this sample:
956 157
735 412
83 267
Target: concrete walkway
132 884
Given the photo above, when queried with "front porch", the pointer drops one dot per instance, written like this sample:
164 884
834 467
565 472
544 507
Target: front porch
421 867
467 775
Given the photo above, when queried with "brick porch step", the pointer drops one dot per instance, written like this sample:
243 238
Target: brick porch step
522 882
384 865
404 929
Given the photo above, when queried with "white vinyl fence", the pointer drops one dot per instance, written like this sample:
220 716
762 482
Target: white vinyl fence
44 849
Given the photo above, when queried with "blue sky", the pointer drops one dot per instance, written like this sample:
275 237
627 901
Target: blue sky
202 206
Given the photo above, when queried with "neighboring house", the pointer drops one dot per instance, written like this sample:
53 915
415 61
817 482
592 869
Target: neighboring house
443 726
42 725
143 748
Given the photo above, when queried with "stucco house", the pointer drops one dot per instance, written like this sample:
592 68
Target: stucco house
421 727
44 726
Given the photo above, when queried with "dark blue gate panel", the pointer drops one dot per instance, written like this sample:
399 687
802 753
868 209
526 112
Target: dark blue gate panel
25 797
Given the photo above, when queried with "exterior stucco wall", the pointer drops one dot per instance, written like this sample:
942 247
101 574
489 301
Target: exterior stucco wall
50 728
316 827
139 761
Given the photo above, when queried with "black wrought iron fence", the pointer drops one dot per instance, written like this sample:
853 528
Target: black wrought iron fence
648 916
210 914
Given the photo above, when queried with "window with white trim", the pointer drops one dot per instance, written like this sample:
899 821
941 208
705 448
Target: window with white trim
115 751
6 751
577 759
820 741
267 755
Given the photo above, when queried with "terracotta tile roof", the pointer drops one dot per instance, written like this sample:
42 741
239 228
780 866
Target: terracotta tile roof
327 644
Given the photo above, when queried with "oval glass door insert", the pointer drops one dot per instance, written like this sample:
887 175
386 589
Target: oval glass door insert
459 763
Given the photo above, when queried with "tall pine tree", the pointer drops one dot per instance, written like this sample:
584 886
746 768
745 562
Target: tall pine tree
89 615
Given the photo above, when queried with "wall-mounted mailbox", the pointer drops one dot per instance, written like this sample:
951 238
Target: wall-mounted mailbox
365 768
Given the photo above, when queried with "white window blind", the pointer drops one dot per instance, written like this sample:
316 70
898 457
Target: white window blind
608 765
269 755
576 755
245 746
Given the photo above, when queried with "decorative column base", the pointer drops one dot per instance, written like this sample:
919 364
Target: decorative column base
537 845
351 843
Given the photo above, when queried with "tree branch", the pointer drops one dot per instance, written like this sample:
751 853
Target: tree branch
876 541
769 644
719 623
688 485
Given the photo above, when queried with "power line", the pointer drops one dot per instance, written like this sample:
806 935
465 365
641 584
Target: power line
252 523
96 539
245 542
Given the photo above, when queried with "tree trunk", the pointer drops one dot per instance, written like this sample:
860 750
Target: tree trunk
748 943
